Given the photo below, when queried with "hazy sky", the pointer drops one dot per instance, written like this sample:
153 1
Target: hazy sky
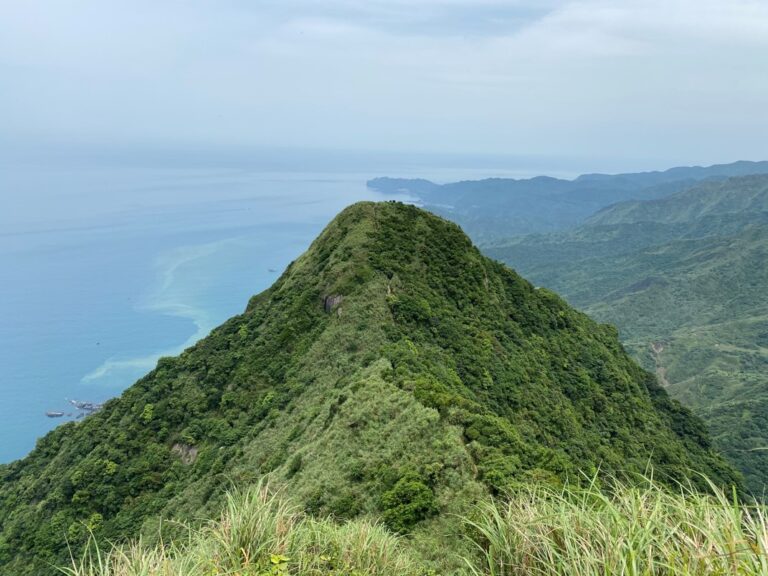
677 80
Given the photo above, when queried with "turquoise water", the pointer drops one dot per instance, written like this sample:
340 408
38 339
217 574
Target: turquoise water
105 268
94 289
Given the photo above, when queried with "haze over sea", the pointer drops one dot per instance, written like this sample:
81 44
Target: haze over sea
109 265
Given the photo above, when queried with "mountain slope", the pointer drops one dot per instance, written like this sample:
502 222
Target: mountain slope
718 199
499 208
685 279
392 370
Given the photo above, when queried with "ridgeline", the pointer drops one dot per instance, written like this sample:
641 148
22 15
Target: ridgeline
392 371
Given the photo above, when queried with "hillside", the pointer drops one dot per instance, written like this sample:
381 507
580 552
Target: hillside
688 276
391 371
498 208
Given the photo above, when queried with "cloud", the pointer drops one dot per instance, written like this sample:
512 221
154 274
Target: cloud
641 76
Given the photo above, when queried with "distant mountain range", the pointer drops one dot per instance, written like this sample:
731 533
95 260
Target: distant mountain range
685 278
497 208
392 372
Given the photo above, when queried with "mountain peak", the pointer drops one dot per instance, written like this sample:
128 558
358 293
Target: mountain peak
373 239
391 370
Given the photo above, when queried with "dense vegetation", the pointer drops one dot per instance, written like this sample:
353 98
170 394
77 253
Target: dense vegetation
391 371
538 530
499 208
685 280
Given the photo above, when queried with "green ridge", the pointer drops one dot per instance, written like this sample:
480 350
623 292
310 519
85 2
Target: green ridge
391 371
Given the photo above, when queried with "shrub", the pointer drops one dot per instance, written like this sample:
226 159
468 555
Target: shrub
407 503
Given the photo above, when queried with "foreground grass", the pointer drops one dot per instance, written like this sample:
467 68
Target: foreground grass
260 533
628 530
639 530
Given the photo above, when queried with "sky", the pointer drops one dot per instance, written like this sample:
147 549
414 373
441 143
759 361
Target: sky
675 81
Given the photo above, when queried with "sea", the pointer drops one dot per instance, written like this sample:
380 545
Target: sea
109 262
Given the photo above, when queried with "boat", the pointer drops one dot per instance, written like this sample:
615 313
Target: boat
87 406
52 414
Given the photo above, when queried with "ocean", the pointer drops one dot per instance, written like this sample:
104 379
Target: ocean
107 266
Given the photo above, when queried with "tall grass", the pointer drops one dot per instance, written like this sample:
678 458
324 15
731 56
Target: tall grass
259 534
628 530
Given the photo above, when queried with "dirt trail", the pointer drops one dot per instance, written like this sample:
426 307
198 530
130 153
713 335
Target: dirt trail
661 372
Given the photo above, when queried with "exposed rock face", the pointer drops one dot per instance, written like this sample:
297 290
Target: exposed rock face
187 453
330 302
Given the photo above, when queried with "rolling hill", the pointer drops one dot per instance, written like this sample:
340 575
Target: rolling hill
685 278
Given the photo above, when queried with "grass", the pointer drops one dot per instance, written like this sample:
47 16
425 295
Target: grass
629 530
619 529
260 533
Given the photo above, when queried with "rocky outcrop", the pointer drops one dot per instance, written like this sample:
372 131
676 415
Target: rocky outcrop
187 453
330 302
